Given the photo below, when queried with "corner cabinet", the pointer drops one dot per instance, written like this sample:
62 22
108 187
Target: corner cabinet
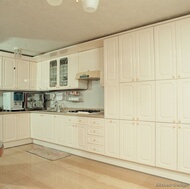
62 73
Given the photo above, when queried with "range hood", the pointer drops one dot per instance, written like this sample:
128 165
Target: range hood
89 75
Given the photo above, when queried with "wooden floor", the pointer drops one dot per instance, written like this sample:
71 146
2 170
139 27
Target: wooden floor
22 170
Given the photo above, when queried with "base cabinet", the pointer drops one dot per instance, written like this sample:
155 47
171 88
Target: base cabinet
137 141
16 127
112 138
43 127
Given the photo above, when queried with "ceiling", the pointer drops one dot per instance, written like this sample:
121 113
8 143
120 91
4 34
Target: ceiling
36 27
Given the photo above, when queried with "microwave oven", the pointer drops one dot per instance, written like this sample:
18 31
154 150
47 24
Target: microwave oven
13 101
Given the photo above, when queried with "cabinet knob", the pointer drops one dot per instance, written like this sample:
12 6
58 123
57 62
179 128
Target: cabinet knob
173 76
179 126
137 79
173 121
179 121
179 76
137 123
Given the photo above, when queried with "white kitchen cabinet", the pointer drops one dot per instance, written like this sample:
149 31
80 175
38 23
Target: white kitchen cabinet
60 130
137 141
183 45
1 128
111 66
146 143
90 60
137 101
9 128
15 74
23 126
136 55
42 126
111 80
22 74
183 148
112 135
128 142
183 101
71 135
9 73
33 76
1 71
16 127
166 145
166 101
62 73
165 51
37 126
111 101
42 79
76 132
96 135
48 128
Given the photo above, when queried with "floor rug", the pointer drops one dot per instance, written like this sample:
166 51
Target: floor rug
48 153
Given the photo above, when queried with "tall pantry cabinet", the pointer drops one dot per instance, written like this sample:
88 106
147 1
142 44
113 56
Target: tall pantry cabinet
172 42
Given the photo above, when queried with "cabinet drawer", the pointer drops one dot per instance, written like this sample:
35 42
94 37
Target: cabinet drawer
96 149
78 120
96 131
95 122
95 140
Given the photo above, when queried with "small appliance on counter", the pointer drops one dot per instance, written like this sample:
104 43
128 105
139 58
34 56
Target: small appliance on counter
13 101
50 101
34 101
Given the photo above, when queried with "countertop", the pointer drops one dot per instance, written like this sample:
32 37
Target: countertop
99 115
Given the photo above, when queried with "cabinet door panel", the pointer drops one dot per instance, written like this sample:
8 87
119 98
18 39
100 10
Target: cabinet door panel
111 60
183 148
22 74
48 125
33 76
184 101
128 140
9 73
9 128
1 128
146 143
127 57
44 75
60 130
165 51
82 137
112 138
128 101
166 146
166 101
111 96
145 101
1 71
183 46
71 135
144 55
23 126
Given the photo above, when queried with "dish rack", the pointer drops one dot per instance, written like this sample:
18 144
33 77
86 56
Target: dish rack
74 96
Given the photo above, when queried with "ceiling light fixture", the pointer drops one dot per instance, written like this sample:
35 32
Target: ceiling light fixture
88 5
54 2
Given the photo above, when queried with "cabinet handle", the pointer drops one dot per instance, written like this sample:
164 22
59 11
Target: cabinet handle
94 122
179 126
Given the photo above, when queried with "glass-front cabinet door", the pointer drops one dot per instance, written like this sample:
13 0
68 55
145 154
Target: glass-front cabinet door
63 72
53 73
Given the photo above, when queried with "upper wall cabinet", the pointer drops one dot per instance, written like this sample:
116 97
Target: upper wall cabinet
172 43
15 74
62 73
33 76
90 60
136 56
